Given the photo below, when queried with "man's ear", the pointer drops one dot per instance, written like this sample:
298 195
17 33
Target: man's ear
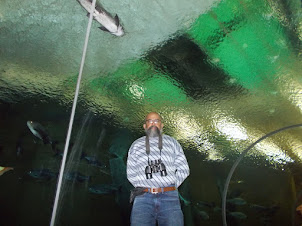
162 125
144 126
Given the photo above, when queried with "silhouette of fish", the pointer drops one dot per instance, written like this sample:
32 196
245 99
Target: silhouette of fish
38 130
201 213
236 201
267 210
237 215
92 160
110 24
42 174
76 176
59 154
103 189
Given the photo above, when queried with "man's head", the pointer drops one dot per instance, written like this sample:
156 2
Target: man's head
153 124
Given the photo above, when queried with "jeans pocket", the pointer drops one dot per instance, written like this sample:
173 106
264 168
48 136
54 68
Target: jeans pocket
140 196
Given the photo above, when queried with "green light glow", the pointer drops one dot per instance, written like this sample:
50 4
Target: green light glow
139 83
247 47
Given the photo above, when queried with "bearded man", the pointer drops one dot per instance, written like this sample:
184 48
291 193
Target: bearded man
156 167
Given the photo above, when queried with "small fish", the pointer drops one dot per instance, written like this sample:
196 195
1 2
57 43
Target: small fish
38 130
203 214
259 207
236 201
42 174
237 215
59 153
76 176
266 210
110 24
104 189
92 160
217 209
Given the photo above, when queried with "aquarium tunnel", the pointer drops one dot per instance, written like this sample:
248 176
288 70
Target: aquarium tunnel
225 75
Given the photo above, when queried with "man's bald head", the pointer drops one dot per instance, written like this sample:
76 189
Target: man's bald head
153 115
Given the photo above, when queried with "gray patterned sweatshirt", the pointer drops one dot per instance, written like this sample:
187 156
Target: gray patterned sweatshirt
171 155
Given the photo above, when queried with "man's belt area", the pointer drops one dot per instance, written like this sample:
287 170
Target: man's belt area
140 190
158 190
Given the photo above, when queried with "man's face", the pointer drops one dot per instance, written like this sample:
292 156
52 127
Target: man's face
153 123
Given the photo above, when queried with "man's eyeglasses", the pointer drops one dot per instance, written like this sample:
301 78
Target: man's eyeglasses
155 121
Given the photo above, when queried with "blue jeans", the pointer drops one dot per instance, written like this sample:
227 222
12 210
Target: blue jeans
161 207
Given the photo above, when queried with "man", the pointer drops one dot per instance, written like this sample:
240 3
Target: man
156 167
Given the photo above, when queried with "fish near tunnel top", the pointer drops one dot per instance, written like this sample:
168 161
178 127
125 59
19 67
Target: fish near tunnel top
109 24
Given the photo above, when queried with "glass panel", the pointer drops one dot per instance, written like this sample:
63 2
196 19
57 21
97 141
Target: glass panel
222 74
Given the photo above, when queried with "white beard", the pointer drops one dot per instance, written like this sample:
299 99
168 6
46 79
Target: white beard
153 132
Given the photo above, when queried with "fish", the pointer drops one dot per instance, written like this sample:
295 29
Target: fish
109 24
92 160
76 176
237 215
42 174
59 153
258 207
236 201
104 189
217 209
38 130
268 210
203 214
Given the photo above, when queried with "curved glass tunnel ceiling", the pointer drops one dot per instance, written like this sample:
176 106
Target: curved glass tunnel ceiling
221 73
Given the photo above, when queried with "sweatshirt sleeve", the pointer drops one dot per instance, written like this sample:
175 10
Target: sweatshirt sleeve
182 168
131 163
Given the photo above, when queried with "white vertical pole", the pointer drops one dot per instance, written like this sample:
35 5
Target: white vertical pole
54 212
